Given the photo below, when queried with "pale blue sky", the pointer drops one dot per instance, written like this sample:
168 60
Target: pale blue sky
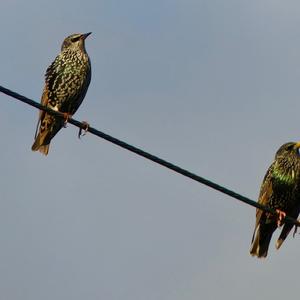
210 85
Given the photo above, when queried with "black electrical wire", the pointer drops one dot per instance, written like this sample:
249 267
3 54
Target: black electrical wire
147 155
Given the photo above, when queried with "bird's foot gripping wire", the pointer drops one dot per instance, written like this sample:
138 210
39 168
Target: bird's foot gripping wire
85 129
280 217
67 117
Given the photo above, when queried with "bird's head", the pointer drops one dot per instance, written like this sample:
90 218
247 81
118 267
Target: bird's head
286 166
290 149
287 159
75 41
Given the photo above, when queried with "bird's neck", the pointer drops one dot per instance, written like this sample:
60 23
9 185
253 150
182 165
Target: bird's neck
284 176
81 55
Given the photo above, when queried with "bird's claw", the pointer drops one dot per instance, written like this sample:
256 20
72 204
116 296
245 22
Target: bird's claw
85 129
280 217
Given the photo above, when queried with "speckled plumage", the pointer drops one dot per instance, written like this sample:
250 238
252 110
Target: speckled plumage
280 189
67 81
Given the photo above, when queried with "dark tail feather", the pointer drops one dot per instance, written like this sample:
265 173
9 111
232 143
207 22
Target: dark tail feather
261 240
284 233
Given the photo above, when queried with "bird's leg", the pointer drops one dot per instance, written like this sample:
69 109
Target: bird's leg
67 117
280 217
85 129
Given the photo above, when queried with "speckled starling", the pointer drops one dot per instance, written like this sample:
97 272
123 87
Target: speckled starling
280 190
67 81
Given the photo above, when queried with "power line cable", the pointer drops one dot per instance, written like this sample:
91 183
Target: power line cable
149 156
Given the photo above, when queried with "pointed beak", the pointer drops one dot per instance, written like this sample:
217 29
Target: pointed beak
85 35
297 145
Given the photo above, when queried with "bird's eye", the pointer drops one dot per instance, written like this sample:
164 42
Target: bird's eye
75 39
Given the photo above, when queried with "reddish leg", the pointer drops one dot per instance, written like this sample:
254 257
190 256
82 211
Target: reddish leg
280 217
67 117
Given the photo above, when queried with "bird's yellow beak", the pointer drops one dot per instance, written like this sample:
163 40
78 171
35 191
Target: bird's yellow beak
297 145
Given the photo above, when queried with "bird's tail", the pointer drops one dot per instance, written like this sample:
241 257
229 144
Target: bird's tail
284 233
39 145
288 226
261 239
47 128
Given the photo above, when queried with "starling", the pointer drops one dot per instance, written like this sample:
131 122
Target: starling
66 83
280 190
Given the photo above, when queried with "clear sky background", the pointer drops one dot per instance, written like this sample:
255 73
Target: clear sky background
210 85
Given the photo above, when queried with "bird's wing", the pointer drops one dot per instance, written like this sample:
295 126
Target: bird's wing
44 102
265 194
49 76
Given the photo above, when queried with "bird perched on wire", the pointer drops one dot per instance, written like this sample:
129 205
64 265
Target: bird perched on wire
67 81
280 190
